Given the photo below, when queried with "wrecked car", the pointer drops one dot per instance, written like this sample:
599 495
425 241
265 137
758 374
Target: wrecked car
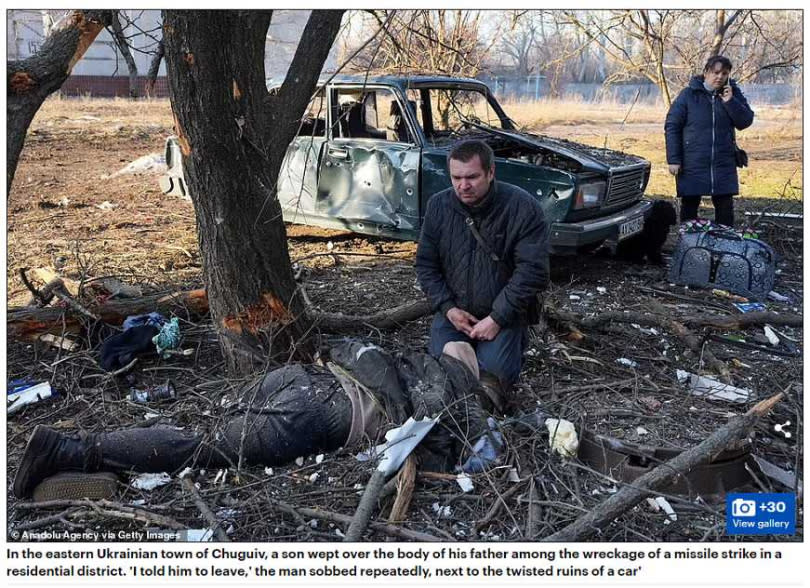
370 152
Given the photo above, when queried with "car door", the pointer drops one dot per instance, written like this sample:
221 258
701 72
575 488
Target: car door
298 178
369 172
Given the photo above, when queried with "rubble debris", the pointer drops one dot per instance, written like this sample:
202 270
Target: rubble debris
24 393
712 389
151 481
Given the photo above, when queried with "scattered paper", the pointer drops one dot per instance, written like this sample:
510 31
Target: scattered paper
151 481
268 471
299 461
313 477
465 483
400 442
444 512
627 362
601 289
574 297
513 476
319 458
640 431
712 389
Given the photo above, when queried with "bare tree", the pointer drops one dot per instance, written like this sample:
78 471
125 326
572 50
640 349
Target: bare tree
234 135
721 28
635 40
117 32
33 79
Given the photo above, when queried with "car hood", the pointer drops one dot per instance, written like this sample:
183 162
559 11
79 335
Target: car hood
592 158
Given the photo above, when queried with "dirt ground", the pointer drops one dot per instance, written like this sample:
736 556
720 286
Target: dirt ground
72 210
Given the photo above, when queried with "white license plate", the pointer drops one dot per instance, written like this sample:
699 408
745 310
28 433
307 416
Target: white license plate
631 227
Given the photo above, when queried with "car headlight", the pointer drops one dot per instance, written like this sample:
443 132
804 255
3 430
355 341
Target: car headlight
590 195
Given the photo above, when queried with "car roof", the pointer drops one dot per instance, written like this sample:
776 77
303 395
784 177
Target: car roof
403 81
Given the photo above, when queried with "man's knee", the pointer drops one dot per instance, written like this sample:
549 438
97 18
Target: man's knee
503 357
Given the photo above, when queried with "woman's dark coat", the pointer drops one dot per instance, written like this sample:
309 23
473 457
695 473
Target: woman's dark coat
700 138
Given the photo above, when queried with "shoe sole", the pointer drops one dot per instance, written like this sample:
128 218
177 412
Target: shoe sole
77 485
36 445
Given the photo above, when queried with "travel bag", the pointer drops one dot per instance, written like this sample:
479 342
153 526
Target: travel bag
721 258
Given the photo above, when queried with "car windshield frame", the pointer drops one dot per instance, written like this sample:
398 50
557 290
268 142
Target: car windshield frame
423 120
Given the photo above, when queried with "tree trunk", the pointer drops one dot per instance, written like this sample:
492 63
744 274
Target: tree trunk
154 68
234 135
33 79
123 49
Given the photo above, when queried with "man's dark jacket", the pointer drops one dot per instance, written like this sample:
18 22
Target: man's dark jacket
700 138
454 270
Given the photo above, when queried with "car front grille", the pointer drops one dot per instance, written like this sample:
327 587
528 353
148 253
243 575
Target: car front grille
626 184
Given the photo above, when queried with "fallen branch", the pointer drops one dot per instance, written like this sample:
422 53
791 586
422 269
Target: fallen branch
495 509
106 508
28 323
405 483
630 495
215 525
384 319
333 517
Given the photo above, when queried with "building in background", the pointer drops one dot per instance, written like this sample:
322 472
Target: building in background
103 71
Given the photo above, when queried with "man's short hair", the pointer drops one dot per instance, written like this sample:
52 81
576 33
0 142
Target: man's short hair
466 150
722 60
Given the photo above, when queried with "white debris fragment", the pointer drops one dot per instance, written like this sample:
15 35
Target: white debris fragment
667 508
641 431
184 473
513 476
562 437
151 481
268 471
64 201
601 289
773 295
299 461
148 416
313 523
363 349
627 362
773 338
152 163
313 477
711 388
106 205
319 458
220 477
465 482
574 297
139 502
444 512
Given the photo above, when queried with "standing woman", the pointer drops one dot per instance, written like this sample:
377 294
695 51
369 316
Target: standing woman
700 140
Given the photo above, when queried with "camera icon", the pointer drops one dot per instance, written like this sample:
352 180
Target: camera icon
741 507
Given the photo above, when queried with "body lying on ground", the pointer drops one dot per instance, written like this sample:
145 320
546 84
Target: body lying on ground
293 411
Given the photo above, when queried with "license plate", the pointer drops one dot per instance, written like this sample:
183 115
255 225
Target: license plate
631 227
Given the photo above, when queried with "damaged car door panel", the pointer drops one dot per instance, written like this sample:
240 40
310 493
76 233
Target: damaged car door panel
371 151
